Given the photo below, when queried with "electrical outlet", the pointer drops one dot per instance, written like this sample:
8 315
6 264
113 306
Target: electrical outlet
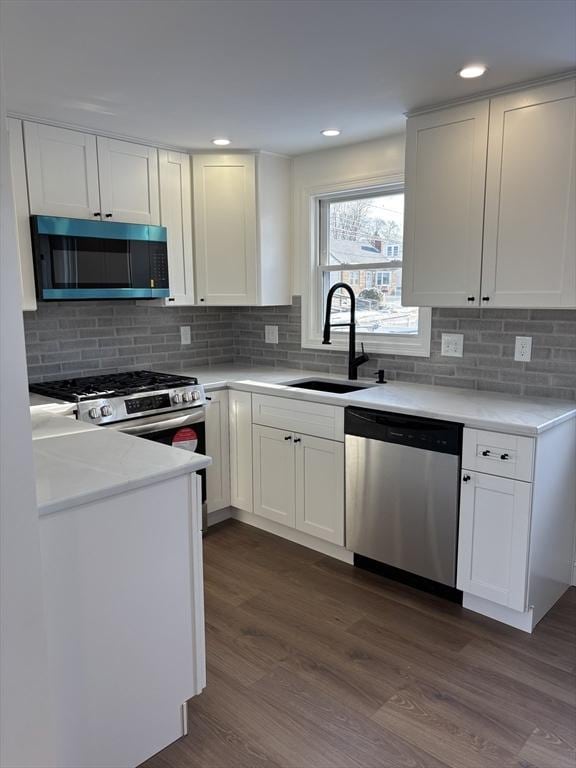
271 334
185 337
523 349
452 344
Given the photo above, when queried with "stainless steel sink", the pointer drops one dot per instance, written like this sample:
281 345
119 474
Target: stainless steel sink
324 385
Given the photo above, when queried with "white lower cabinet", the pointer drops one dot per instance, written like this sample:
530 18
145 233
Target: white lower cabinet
320 488
517 518
299 482
274 475
494 538
240 410
218 447
124 621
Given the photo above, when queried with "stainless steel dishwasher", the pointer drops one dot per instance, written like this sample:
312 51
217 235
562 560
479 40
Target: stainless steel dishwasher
402 491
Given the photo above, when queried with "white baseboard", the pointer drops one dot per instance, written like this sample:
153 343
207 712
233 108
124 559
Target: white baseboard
218 515
324 547
516 619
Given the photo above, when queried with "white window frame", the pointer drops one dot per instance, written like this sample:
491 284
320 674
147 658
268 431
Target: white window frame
415 345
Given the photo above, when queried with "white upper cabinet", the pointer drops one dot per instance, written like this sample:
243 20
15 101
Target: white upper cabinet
225 228
529 243
22 210
490 202
128 182
79 175
176 216
445 176
62 172
241 229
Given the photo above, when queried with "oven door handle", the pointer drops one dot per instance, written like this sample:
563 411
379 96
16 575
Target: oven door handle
150 426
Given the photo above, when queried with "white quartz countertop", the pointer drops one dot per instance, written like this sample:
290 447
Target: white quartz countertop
78 463
475 409
48 422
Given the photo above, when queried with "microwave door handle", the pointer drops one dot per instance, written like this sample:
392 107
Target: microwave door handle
150 426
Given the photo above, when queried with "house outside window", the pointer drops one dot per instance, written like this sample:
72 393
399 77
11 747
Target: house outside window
356 237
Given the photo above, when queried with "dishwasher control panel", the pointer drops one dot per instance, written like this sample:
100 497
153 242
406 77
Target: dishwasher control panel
428 434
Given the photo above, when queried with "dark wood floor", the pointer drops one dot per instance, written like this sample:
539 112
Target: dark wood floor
315 664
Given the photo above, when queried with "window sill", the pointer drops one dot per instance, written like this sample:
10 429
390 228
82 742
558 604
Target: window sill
413 346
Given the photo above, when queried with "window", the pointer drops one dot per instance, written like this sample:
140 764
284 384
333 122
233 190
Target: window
382 278
353 278
358 240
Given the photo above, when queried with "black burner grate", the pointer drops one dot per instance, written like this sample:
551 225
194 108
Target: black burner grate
110 385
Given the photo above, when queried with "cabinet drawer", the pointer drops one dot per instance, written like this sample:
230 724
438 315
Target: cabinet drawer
316 419
498 454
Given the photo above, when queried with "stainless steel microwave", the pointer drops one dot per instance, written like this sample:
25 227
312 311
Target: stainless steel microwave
79 259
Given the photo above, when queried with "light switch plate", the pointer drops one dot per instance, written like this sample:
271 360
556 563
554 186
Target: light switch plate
523 349
271 334
185 337
452 344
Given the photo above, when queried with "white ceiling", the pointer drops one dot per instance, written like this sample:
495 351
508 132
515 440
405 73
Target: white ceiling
270 74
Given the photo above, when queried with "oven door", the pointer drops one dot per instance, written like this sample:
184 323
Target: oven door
77 259
185 430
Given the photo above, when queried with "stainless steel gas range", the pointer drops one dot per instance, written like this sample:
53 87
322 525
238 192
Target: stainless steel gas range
165 408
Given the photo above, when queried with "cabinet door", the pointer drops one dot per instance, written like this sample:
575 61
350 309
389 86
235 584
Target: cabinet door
320 488
445 178
20 191
493 542
176 216
218 447
274 475
225 239
128 182
529 241
62 172
240 409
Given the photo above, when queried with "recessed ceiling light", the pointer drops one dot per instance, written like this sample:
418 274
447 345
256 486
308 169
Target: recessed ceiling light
330 132
221 142
472 70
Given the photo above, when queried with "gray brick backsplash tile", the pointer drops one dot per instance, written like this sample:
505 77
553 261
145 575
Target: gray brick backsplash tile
76 338
488 362
79 338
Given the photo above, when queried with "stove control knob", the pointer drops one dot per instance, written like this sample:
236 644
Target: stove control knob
187 397
177 398
106 410
195 395
93 413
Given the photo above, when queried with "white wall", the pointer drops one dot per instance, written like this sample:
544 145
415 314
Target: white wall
26 730
379 157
